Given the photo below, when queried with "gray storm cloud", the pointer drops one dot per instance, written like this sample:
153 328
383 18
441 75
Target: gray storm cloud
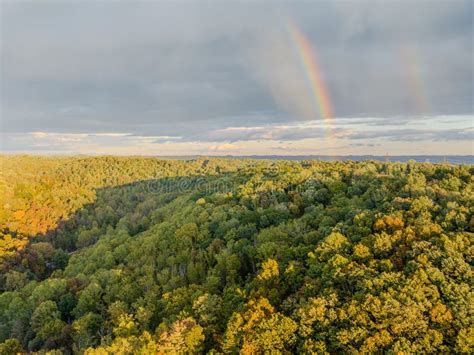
195 69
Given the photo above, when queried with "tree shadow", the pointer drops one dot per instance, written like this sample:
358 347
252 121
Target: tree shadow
130 205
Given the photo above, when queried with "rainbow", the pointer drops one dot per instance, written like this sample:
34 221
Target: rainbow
313 74
414 78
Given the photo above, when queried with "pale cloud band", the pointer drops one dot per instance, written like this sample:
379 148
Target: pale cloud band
303 137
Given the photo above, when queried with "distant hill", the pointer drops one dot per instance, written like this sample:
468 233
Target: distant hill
452 159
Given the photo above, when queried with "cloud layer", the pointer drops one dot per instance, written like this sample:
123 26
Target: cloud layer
211 74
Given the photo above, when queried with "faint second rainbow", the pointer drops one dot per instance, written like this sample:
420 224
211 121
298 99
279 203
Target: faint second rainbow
414 77
313 73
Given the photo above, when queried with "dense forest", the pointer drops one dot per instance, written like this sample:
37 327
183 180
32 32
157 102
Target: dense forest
140 255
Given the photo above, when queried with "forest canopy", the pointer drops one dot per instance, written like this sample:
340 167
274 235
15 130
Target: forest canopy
141 255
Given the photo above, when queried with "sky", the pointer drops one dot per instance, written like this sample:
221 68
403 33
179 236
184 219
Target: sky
237 77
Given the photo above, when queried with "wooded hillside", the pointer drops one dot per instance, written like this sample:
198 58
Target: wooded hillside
141 255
